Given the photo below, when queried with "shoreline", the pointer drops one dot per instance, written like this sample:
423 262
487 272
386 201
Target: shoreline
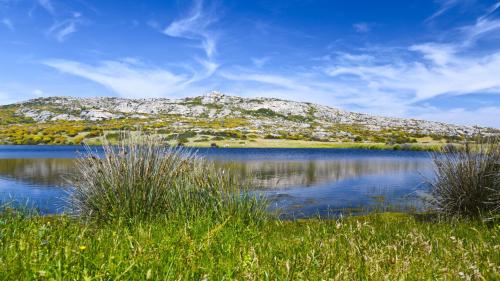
283 144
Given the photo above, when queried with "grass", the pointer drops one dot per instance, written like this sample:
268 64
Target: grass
467 181
283 143
140 178
374 247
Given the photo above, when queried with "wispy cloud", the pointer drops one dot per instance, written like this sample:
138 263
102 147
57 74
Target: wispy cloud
428 69
483 116
194 26
275 80
47 5
484 25
423 81
445 5
392 80
260 62
362 27
123 78
8 24
60 30
133 78
37 92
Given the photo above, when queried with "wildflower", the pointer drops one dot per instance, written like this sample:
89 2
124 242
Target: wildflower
82 247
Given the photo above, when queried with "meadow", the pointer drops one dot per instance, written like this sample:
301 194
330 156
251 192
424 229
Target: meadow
374 247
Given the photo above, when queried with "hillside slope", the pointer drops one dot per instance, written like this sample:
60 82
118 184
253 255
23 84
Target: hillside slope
210 117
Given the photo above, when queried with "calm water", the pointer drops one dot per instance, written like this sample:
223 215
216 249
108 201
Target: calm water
297 182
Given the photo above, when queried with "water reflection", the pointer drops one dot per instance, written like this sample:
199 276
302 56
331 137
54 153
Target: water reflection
40 172
297 182
282 174
262 174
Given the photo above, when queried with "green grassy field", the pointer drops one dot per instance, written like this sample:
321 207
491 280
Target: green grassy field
282 143
375 247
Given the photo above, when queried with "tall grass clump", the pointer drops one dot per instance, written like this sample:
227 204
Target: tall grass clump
467 180
142 178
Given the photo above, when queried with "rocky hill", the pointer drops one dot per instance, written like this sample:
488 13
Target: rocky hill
216 113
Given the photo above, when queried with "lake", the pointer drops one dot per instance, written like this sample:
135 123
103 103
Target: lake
297 182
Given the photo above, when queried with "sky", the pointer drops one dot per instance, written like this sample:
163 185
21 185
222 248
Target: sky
435 60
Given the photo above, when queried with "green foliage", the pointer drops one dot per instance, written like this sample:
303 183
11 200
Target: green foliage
467 181
194 101
114 137
141 178
8 116
400 139
267 112
15 131
376 247
272 137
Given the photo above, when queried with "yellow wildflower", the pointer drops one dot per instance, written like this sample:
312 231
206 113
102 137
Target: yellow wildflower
82 248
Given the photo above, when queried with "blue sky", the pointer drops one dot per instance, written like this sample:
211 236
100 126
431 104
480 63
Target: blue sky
435 60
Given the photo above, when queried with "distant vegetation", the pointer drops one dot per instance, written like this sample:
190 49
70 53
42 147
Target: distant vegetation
217 118
186 130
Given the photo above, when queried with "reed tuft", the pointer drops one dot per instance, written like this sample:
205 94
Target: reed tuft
142 178
467 180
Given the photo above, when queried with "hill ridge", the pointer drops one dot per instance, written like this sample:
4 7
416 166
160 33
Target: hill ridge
214 113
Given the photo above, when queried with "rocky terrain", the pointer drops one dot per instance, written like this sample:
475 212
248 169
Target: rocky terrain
260 117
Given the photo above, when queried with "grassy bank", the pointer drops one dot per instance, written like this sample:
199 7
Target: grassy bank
375 247
283 143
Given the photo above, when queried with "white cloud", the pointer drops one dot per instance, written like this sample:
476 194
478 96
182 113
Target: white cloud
480 29
390 81
195 27
127 80
260 62
361 27
154 24
445 6
446 74
38 92
65 30
440 54
209 67
47 5
133 79
447 68
60 30
354 57
8 23
275 80
483 116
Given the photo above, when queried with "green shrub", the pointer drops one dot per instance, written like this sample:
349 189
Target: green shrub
467 181
141 179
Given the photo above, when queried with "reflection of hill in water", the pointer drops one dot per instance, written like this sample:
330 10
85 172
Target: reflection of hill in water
45 172
307 173
277 174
